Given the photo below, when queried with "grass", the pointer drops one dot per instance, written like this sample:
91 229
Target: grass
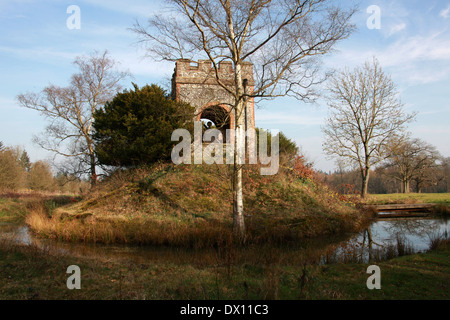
438 198
15 207
189 206
12 211
441 200
192 206
415 277
30 273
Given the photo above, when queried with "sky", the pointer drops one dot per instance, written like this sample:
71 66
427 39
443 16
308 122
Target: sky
38 43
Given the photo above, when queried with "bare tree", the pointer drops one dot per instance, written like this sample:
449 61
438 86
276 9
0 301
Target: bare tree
413 159
366 115
70 109
40 177
12 174
283 40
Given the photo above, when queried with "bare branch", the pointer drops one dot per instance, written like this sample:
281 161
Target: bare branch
366 117
70 109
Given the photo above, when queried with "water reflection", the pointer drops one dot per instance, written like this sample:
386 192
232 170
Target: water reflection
388 238
16 233
384 239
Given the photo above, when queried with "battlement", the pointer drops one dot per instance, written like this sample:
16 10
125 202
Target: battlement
202 72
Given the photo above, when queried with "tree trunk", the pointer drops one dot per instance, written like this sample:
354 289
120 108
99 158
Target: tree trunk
238 198
239 159
406 186
418 186
238 204
365 172
370 244
365 182
92 161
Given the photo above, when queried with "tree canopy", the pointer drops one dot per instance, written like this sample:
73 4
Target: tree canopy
135 128
12 174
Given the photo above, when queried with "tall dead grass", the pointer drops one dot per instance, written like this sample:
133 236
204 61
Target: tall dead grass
137 231
190 206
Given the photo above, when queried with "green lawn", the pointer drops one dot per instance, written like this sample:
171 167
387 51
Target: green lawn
439 198
416 277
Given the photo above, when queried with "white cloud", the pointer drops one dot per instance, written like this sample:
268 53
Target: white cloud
397 28
139 65
416 59
425 75
445 13
102 31
39 53
311 148
438 130
416 49
7 103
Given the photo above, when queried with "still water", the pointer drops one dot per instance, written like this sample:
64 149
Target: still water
387 238
384 239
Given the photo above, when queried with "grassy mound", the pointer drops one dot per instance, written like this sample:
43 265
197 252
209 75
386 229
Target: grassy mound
191 205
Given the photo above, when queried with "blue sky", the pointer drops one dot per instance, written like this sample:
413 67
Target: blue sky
37 49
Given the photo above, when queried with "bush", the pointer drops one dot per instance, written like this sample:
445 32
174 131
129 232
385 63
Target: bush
135 128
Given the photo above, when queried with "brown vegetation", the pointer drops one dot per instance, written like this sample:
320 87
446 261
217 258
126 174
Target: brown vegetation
20 177
191 206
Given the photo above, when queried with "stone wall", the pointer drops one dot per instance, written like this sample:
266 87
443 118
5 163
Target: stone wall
195 83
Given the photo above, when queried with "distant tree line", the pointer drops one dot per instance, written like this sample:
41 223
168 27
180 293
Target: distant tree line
427 174
18 173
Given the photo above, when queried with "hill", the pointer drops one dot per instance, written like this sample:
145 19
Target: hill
191 205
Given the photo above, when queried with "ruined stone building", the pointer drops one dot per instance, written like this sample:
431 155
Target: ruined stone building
195 83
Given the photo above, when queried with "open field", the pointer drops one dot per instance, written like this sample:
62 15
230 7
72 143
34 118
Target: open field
438 198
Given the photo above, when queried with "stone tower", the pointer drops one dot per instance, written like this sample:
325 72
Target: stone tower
195 83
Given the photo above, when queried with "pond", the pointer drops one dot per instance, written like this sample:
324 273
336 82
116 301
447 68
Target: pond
388 238
384 239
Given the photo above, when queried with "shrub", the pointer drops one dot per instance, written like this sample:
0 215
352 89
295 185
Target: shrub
135 128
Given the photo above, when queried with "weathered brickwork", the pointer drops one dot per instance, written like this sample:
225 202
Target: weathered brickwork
195 83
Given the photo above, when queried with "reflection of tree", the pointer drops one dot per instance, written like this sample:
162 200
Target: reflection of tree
371 246
416 227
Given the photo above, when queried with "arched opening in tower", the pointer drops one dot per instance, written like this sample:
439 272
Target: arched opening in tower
216 117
